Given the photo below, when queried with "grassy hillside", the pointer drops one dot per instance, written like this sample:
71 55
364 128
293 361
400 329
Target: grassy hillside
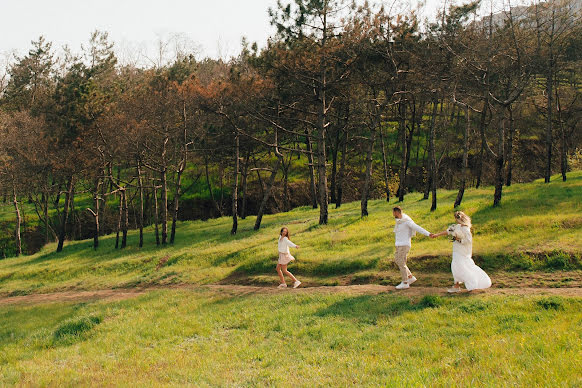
230 336
538 227
207 338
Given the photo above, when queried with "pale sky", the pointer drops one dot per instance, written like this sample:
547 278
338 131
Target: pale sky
214 27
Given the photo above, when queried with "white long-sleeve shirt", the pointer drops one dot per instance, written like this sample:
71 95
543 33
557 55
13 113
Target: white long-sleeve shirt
284 244
405 229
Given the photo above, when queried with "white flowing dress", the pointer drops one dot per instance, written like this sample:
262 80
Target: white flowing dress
463 267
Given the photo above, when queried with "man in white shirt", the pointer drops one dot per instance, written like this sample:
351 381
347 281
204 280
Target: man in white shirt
404 230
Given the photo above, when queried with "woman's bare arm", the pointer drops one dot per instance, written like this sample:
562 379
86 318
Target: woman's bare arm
443 233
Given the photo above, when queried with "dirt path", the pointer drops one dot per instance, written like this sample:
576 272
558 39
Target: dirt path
73 296
239 290
363 289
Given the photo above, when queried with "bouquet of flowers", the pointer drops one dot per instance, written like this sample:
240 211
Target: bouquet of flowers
455 233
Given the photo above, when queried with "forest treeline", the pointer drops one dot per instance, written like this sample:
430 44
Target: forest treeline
343 97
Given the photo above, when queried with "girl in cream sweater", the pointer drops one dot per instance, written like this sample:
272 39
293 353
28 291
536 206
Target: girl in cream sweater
285 258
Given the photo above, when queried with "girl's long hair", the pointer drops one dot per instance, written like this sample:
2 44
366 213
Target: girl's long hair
463 219
281 233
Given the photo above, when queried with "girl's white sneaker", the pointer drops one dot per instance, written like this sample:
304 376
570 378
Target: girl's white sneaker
402 286
296 284
282 285
452 290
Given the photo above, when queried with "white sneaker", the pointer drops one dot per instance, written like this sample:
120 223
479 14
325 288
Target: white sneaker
452 290
296 284
282 285
402 286
411 280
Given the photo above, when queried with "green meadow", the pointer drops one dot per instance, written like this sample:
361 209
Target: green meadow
180 332
538 229
206 338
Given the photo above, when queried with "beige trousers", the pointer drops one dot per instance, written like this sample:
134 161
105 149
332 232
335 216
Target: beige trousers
400 257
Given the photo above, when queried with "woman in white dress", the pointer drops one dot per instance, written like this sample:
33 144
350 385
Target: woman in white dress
463 267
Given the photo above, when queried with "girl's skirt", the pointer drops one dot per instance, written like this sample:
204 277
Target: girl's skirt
285 258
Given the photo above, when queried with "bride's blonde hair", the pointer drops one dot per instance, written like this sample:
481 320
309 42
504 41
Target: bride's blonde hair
463 219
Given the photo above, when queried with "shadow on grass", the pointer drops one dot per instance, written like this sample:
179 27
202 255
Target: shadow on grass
544 199
369 308
337 267
340 267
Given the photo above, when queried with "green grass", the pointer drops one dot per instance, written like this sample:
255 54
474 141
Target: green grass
209 337
205 338
537 228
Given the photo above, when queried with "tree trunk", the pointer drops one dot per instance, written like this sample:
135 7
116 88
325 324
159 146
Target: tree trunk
483 140
286 198
177 195
426 165
322 130
65 216
259 179
409 140
464 173
333 185
72 214
164 205
221 182
267 194
243 210
385 165
510 147
342 171
141 203
181 167
156 214
432 156
125 223
95 213
235 185
564 157
119 217
403 142
322 178
428 186
311 170
79 224
563 140
499 162
46 219
549 107
368 177
18 221
419 135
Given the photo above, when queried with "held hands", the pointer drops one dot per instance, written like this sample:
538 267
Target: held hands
435 235
296 246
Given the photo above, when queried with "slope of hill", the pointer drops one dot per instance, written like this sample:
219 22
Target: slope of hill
537 228
233 335
294 338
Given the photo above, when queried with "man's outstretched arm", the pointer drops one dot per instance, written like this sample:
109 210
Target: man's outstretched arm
418 229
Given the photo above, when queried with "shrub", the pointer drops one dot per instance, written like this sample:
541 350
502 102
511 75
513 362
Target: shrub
559 260
76 326
430 301
521 262
551 303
